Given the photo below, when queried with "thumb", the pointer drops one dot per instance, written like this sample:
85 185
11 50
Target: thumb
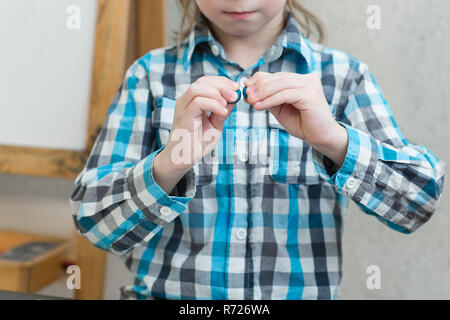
289 117
276 112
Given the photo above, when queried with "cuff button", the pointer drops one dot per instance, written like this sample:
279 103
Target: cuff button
165 211
351 182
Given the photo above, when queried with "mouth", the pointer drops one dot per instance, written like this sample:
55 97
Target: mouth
239 14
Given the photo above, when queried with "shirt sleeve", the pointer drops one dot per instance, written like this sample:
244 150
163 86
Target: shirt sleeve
116 203
398 182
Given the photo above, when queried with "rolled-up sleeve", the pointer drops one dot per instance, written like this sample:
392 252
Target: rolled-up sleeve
398 182
116 203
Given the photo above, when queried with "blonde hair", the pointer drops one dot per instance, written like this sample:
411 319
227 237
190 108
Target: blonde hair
308 21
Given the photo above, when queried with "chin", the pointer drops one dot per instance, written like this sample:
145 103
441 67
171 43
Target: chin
238 31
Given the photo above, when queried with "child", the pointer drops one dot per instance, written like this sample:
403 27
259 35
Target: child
240 227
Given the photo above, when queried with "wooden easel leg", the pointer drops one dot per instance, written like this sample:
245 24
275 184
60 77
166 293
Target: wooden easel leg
92 263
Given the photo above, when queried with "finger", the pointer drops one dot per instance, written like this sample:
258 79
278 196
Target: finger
264 77
217 120
251 81
289 96
227 87
200 104
261 81
274 85
255 77
238 97
202 90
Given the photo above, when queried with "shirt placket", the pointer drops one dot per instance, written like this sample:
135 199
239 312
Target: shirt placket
238 226
239 268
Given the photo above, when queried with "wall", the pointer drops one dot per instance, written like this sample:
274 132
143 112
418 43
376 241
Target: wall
409 58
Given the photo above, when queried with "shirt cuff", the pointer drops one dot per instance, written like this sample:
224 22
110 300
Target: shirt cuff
354 177
152 200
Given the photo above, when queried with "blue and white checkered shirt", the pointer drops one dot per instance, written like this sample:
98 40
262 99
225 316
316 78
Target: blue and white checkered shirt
237 228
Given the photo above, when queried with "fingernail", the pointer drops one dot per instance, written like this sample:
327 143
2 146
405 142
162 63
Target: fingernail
232 94
238 92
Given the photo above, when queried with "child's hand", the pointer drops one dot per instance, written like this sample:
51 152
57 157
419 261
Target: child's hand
297 101
206 94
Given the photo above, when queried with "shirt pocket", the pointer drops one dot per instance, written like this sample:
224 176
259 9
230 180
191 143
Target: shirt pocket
290 159
162 118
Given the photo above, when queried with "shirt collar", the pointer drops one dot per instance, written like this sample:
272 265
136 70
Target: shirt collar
290 38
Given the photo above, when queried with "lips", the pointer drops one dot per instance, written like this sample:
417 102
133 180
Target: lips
239 12
240 15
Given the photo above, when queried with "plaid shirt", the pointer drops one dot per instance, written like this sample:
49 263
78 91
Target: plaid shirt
237 228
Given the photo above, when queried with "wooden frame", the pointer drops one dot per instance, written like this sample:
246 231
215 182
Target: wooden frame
114 50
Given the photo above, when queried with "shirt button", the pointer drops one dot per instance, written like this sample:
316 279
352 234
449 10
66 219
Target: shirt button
165 211
351 182
241 234
242 157
215 50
